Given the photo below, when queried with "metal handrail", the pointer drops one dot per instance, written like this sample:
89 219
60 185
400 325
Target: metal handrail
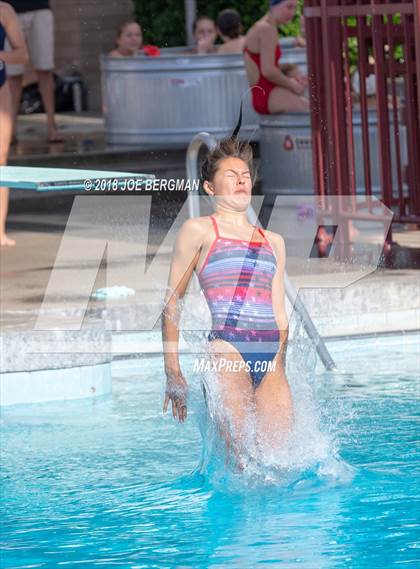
194 211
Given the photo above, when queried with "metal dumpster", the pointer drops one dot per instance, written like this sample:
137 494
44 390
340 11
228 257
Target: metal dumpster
164 101
286 153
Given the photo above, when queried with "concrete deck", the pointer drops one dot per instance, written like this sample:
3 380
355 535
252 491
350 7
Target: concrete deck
26 269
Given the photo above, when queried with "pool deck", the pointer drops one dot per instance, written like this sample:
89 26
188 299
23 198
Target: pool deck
384 300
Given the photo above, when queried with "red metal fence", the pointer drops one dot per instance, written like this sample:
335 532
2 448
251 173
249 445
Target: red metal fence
380 39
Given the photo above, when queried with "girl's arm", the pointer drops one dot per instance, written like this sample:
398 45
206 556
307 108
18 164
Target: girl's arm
279 295
14 34
185 257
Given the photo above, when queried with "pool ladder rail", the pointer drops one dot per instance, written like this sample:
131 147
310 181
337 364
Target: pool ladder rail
206 139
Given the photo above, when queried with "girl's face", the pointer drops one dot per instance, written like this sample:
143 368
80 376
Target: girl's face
232 183
205 30
130 39
285 11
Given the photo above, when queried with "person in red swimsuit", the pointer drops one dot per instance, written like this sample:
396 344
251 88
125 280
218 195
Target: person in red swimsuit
273 90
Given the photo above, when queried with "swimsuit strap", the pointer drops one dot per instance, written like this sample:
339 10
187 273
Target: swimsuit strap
253 55
216 229
263 234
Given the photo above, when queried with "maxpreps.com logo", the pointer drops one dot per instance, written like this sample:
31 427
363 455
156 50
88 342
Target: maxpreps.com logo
204 365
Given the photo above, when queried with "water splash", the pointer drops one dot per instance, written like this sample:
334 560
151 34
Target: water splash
308 453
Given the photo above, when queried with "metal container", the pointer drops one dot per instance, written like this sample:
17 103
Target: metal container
164 101
286 153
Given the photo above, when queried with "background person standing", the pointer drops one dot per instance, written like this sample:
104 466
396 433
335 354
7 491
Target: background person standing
37 22
10 30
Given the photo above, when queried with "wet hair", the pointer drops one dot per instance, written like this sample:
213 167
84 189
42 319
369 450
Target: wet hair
229 147
198 19
122 26
229 23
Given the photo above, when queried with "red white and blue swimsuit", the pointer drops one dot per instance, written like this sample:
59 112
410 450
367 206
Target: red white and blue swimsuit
236 279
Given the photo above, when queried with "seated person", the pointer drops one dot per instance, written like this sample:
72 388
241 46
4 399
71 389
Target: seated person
205 34
129 42
292 70
273 90
230 29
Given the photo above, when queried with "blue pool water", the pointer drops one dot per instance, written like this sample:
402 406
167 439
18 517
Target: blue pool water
113 483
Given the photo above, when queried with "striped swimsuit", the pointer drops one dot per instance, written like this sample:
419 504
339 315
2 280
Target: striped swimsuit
236 279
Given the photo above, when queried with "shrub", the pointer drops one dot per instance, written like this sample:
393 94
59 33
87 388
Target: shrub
163 21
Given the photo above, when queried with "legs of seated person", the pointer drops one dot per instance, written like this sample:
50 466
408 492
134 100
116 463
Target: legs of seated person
282 100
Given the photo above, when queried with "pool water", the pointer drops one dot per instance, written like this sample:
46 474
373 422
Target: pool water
112 483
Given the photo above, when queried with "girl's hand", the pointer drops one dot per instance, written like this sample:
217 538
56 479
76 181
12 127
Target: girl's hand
176 392
296 86
204 45
303 79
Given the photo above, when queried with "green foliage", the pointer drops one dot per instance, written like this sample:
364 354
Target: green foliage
293 27
163 21
250 10
399 53
353 53
352 42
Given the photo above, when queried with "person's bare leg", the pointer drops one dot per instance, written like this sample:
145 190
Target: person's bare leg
6 122
47 89
274 408
5 240
15 86
234 397
283 101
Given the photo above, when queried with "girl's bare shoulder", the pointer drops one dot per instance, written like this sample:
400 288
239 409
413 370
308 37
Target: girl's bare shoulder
6 12
257 28
277 241
197 228
273 234
193 234
264 27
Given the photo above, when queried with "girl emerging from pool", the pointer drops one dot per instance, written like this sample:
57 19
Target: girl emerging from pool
275 88
241 272
205 35
230 29
129 42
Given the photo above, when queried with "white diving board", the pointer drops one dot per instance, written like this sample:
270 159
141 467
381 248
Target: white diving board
55 179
